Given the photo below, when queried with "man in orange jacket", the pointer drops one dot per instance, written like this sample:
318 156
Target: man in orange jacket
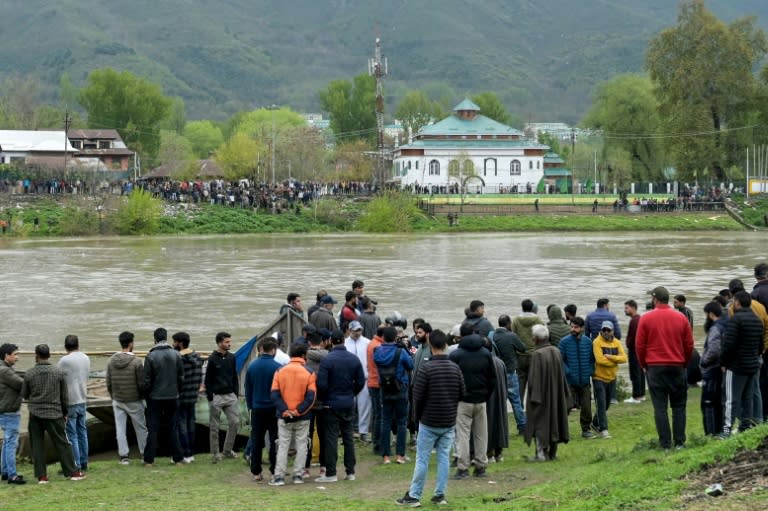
293 392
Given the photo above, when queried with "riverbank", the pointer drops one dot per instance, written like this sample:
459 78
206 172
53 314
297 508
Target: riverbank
88 216
627 471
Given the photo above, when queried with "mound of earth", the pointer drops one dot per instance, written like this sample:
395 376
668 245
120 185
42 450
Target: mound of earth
746 473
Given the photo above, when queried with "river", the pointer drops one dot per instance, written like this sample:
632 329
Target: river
98 287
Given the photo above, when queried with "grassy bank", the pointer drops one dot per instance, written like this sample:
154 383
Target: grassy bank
392 213
624 472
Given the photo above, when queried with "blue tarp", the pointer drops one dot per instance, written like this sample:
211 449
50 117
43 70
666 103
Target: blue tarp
241 355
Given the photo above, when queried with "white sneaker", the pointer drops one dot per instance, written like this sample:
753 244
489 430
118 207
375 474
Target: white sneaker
188 460
604 434
326 479
633 400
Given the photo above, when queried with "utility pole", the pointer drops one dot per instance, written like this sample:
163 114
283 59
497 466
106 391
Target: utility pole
273 108
67 123
377 67
573 162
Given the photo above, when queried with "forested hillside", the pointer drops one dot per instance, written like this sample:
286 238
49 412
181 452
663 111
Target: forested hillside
542 57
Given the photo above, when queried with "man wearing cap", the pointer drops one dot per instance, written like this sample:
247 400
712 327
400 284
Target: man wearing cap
358 346
323 317
608 355
664 345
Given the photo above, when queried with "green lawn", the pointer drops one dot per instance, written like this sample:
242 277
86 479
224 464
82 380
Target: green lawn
624 472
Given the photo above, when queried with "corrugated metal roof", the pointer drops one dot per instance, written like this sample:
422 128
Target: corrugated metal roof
467 104
98 133
34 141
557 172
474 144
480 125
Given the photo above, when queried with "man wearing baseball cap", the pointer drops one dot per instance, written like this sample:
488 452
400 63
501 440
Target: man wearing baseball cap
664 345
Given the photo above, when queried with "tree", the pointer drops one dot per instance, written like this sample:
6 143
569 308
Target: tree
416 110
492 107
129 104
177 116
702 69
351 106
351 163
174 148
19 100
238 157
626 110
204 136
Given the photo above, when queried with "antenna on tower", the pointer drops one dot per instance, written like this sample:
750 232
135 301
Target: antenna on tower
377 67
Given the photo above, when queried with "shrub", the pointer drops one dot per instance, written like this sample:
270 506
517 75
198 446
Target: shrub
78 222
391 211
138 214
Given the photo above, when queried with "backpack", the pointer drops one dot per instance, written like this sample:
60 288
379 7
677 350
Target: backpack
391 387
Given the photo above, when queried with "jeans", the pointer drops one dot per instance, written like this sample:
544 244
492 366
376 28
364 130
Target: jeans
712 401
636 375
374 395
263 421
513 395
668 386
77 432
335 421
582 398
287 431
397 408
137 412
230 405
602 392
440 439
9 424
471 419
160 416
185 428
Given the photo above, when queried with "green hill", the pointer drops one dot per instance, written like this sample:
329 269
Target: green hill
543 57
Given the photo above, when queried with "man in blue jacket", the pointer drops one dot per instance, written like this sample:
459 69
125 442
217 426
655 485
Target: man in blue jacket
258 399
579 361
339 379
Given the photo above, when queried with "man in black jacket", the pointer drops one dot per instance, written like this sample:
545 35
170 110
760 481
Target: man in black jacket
509 345
163 378
222 388
760 294
437 390
740 356
479 374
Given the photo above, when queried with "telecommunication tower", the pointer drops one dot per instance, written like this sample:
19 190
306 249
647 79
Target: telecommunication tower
377 67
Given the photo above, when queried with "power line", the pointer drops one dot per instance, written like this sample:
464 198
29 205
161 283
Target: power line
657 136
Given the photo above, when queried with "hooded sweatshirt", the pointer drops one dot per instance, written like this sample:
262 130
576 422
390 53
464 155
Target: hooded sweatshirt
477 368
557 325
522 325
384 355
125 377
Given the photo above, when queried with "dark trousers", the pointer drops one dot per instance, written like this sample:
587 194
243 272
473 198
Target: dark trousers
314 423
668 386
185 428
161 414
263 421
712 401
764 387
636 375
602 403
582 399
339 421
737 400
397 410
374 394
58 436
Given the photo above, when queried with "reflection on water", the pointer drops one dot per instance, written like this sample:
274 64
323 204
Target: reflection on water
97 288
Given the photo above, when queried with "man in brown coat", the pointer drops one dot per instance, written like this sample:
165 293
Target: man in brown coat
546 403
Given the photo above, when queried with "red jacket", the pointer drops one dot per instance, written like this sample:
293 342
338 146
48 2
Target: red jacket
664 337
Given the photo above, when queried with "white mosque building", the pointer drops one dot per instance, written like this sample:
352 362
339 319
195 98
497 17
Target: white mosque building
497 156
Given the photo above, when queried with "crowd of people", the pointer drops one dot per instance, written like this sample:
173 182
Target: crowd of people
354 376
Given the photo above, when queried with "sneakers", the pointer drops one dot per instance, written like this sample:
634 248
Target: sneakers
277 481
439 500
232 455
215 458
588 435
298 479
326 479
479 472
614 401
42 480
385 460
17 479
188 459
402 460
77 475
461 474
632 400
365 438
407 500
350 477
604 434
124 460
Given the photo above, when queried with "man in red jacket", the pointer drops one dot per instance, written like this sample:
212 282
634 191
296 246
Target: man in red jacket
664 345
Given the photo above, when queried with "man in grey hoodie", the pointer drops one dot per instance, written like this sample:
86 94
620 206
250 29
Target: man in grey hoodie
125 380
557 326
